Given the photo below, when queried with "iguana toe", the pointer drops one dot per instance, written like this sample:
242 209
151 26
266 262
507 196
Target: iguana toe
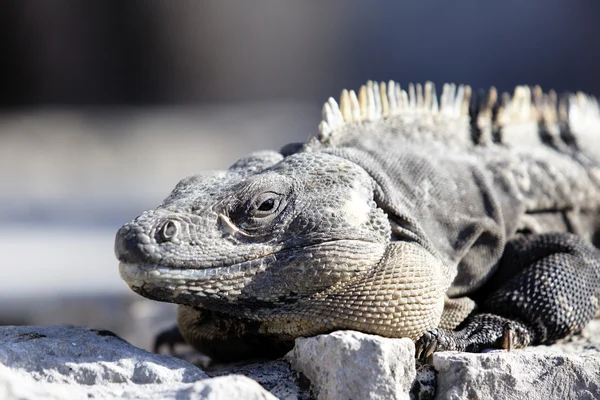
435 340
480 332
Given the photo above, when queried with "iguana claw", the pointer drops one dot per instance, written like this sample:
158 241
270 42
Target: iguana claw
482 331
434 340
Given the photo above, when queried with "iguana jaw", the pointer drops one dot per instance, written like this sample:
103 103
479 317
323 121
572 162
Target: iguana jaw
299 270
189 285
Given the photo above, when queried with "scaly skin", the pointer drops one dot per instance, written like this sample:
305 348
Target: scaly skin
312 264
394 222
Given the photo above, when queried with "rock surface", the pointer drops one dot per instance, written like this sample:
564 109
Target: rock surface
354 365
62 354
423 387
275 376
515 375
59 362
567 370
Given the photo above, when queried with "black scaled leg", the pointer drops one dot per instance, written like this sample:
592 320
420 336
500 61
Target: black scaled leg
224 338
546 288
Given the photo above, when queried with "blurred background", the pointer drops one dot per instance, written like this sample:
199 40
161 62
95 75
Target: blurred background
105 105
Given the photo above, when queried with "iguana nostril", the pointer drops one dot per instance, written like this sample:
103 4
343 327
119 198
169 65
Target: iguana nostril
168 231
128 246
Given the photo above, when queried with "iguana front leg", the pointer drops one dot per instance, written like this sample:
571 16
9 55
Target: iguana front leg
221 337
546 288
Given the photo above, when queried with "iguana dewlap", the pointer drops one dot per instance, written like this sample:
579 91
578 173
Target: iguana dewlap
463 224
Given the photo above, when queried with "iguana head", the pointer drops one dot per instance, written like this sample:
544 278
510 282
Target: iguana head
268 230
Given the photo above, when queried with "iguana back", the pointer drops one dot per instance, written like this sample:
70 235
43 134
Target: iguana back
481 170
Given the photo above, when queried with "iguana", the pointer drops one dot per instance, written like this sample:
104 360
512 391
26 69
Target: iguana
463 223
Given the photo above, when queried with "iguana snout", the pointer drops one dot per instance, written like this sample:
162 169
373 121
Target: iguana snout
135 243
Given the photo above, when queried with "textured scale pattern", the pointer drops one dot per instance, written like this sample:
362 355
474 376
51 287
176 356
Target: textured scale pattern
557 278
401 297
461 221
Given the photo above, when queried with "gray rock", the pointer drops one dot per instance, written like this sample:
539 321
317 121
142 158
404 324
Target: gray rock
87 356
569 369
15 386
59 362
354 365
221 388
423 387
275 376
521 374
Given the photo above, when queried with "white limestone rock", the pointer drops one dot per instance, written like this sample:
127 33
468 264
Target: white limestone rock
64 354
275 376
60 362
222 388
566 370
516 375
354 365
18 386
15 385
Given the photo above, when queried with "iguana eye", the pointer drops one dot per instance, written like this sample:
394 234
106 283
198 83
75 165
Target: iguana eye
265 204
168 231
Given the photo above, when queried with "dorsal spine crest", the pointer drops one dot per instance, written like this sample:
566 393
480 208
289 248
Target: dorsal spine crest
491 113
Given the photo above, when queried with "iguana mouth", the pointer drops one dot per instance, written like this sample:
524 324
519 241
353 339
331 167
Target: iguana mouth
146 275
162 282
189 285
205 269
131 271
